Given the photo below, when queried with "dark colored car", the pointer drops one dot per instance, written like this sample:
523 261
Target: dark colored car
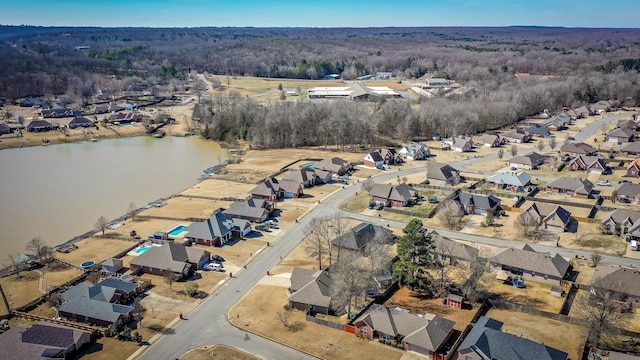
217 258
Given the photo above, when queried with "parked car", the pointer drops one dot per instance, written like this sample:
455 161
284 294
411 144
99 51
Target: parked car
372 205
217 258
513 168
571 138
379 205
213 266
624 182
433 200
603 183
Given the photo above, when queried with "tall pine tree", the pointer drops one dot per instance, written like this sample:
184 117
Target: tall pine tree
416 254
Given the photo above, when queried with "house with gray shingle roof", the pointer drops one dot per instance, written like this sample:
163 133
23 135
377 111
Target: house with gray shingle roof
415 151
94 305
170 258
216 230
312 291
43 340
487 341
5 129
398 195
577 149
621 135
581 188
628 193
426 334
537 130
529 161
335 165
631 149
516 136
583 111
589 164
621 284
39 126
530 264
442 174
454 252
305 176
511 181
253 209
358 237
551 217
477 204
488 140
80 121
623 221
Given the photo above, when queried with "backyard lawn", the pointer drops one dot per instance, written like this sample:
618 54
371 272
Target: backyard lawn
536 295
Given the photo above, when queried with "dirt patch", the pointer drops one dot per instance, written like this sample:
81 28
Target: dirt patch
214 352
416 303
257 312
554 333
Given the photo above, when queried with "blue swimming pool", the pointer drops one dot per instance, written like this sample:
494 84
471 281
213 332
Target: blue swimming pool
177 230
310 166
142 250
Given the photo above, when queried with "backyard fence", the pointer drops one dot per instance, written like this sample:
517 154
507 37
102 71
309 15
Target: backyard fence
326 323
94 330
409 213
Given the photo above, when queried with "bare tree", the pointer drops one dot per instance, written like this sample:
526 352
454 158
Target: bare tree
500 153
132 210
170 278
93 277
473 288
513 150
284 316
552 143
317 243
12 264
338 228
349 281
451 214
596 258
368 184
138 309
38 247
55 300
101 224
540 145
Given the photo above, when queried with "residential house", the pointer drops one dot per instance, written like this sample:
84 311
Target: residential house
529 161
39 126
628 193
529 264
101 304
253 209
415 151
427 334
33 102
170 258
122 118
623 222
398 195
486 341
43 340
290 189
583 111
631 149
621 135
112 265
558 123
618 284
101 109
550 217
305 176
374 159
58 111
630 124
576 149
478 204
391 156
537 130
273 189
80 121
489 140
581 188
511 181
590 164
216 230
358 237
5 129
442 174
311 291
453 252
572 114
460 143
602 106
335 165
633 169
516 136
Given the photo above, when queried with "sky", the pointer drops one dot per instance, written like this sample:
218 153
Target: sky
320 13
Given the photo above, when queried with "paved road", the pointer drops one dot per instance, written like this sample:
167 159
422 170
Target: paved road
208 324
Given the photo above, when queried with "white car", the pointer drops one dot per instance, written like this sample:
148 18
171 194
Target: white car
213 266
603 183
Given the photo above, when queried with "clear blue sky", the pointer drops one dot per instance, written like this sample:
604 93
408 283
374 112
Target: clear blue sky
321 13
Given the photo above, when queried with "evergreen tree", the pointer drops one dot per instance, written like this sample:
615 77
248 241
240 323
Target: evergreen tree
416 254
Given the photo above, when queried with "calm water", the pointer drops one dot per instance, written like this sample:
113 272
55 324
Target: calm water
58 192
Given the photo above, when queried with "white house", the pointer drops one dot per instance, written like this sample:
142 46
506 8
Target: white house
415 151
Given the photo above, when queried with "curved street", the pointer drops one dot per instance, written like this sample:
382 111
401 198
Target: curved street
208 324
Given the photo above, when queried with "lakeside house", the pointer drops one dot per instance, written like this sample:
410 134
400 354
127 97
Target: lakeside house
170 258
43 340
80 122
529 264
253 209
216 230
273 189
39 126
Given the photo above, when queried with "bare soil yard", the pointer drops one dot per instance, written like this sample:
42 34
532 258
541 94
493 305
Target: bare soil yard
554 333
215 352
257 312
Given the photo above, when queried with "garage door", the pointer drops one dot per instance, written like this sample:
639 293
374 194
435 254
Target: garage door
555 228
246 231
595 171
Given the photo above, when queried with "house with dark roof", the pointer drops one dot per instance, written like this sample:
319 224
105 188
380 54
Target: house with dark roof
100 304
477 204
557 123
33 102
335 165
305 176
488 140
577 149
537 130
621 135
626 123
581 188
529 161
394 195
311 291
39 126
170 258
216 230
589 164
631 149
583 111
633 169
269 190
5 129
486 341
453 252
442 174
358 237
550 217
253 209
603 106
415 151
513 181
625 222
373 159
628 193
529 264
43 340
426 334
617 283
516 136
80 122
122 118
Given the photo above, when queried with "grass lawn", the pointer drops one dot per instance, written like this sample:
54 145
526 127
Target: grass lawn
589 238
97 249
212 187
186 207
240 251
536 295
356 203
23 290
216 352
257 312
560 335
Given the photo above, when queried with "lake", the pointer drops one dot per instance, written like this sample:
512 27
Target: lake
58 192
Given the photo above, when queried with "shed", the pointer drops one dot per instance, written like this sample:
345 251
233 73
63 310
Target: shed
112 265
455 301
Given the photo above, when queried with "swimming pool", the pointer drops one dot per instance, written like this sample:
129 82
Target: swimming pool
177 230
310 166
142 250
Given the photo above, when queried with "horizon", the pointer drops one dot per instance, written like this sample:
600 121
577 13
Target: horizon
614 14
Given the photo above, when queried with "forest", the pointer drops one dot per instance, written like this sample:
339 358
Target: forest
570 67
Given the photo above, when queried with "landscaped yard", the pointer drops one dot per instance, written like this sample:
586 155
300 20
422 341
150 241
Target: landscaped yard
257 312
557 334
